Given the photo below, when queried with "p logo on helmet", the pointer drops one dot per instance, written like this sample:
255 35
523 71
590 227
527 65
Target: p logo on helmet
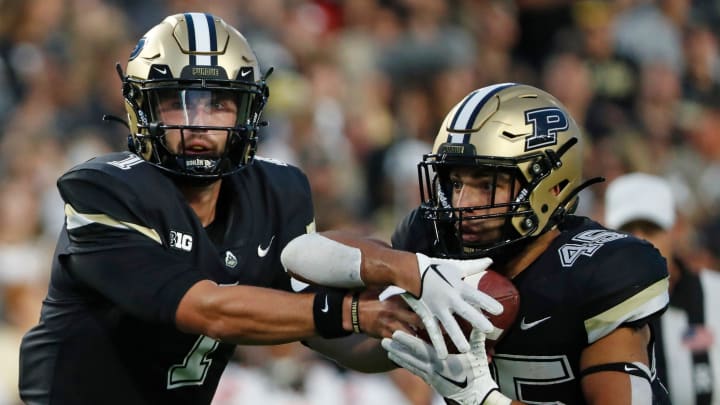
546 123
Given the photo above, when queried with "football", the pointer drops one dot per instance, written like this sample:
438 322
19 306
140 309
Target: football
503 290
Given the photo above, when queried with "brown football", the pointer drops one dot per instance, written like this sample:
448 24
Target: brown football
502 289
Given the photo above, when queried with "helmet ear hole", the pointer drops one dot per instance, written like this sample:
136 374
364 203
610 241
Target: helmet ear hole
558 188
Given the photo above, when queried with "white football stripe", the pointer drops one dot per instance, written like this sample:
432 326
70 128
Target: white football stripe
202 37
462 116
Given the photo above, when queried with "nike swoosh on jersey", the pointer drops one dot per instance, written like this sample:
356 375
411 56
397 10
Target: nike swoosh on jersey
460 384
326 307
161 71
527 325
264 251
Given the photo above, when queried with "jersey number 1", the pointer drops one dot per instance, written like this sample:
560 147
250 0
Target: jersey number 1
195 366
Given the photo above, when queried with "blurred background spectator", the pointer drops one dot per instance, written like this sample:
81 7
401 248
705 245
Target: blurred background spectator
358 93
687 355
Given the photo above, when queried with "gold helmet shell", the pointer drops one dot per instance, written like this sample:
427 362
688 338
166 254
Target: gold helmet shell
193 52
517 129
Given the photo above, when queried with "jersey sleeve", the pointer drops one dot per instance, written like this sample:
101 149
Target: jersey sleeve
627 286
115 247
300 218
289 189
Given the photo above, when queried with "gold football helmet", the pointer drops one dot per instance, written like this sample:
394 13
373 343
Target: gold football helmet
511 131
186 60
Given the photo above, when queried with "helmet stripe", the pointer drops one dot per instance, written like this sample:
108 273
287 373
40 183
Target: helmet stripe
213 39
202 38
469 109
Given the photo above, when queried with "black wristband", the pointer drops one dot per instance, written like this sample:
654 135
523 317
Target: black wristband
327 314
354 314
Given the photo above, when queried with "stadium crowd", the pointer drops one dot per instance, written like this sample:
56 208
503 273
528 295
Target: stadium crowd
357 95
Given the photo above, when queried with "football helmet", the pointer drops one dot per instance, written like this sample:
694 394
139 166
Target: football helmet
193 64
510 131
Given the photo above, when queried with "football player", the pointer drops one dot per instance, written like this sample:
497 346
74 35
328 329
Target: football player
502 182
170 254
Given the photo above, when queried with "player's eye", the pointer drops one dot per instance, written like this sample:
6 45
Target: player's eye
223 103
486 184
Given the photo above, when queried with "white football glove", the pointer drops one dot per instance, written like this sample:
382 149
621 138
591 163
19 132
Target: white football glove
464 378
443 293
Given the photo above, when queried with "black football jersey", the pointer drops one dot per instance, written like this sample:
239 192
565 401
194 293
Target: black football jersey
588 282
130 249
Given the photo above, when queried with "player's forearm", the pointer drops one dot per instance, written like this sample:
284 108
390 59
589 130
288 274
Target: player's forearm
381 264
246 315
342 260
357 352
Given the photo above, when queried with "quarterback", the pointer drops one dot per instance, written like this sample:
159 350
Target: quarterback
170 254
502 182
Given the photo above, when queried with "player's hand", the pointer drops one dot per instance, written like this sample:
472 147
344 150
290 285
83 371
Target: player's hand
465 378
444 293
380 318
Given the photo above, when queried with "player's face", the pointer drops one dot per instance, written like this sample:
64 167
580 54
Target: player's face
197 108
472 187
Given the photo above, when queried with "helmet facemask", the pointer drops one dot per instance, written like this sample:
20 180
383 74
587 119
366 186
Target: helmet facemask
463 232
186 120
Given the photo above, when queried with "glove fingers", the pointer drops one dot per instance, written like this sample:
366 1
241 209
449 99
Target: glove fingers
474 266
477 342
406 364
436 337
414 343
479 299
409 352
455 332
474 317
431 325
465 267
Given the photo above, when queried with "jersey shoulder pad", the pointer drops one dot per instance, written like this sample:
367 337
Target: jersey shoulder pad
621 279
286 179
284 190
119 185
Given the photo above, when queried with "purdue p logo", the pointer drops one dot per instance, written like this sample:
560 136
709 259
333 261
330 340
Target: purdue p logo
179 240
546 123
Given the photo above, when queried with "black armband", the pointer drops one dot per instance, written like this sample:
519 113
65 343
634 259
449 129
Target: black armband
327 313
627 368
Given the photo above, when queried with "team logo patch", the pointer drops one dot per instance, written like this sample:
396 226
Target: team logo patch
230 259
546 122
181 241
138 48
589 242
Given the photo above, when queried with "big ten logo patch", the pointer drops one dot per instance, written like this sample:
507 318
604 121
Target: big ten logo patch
181 241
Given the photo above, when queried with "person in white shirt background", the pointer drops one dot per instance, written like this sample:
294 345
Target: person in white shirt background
687 346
